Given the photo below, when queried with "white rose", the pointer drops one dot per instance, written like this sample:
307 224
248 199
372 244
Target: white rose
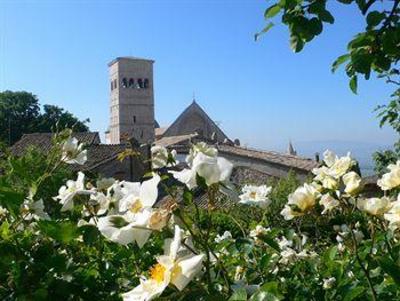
393 215
391 179
328 202
352 181
341 166
304 198
255 195
72 152
375 206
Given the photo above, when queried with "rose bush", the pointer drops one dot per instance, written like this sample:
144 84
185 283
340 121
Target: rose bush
66 236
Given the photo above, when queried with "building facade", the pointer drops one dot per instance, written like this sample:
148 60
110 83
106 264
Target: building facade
131 100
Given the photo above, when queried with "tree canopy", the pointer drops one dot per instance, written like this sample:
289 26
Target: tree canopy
374 50
20 114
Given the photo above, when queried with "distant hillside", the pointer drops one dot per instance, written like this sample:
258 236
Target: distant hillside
362 151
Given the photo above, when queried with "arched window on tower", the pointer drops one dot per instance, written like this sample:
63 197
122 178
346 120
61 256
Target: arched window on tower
140 83
131 83
115 84
134 119
124 83
112 85
146 83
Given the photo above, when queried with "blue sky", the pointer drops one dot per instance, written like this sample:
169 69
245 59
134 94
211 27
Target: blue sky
260 92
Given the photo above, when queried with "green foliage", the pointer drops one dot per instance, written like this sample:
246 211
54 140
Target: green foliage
54 116
18 111
344 254
20 114
56 259
374 50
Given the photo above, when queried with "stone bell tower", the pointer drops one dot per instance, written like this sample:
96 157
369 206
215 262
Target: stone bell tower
131 100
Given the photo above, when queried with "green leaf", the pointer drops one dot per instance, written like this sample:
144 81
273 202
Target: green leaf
383 63
353 292
315 26
327 17
272 243
391 268
374 18
265 30
296 43
63 232
272 11
239 295
268 292
339 61
90 234
5 230
11 200
353 84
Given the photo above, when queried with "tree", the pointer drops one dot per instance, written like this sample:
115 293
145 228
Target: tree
375 50
54 115
20 114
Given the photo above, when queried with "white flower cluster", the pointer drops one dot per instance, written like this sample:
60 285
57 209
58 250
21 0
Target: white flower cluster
225 236
344 233
255 195
335 181
293 249
258 232
332 180
123 211
385 206
203 161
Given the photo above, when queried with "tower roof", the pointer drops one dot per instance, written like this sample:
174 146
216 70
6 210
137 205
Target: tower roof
132 58
291 149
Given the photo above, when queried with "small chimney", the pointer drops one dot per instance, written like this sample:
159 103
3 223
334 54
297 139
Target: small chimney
317 156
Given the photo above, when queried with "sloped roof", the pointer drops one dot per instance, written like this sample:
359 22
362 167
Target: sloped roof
101 153
243 175
43 141
174 140
160 131
179 126
273 157
97 153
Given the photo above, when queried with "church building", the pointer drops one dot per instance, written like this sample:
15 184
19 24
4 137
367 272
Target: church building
132 116
132 120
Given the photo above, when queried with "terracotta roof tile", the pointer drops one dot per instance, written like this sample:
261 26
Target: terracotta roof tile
174 140
43 141
97 153
273 157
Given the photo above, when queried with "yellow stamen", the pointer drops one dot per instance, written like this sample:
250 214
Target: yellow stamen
157 272
253 194
136 206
